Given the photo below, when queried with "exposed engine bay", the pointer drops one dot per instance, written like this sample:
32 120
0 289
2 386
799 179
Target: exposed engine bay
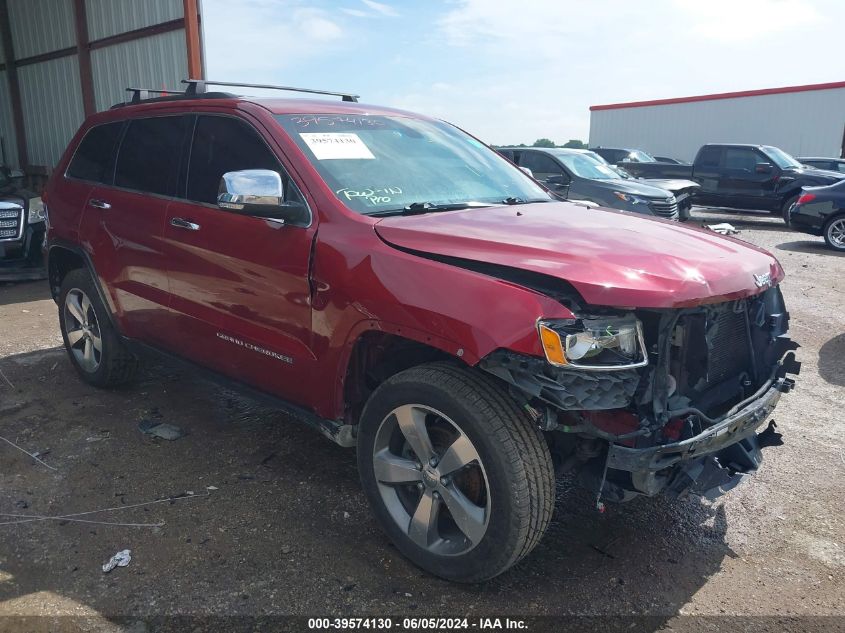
682 415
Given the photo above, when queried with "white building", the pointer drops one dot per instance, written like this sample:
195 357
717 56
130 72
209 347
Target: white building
802 120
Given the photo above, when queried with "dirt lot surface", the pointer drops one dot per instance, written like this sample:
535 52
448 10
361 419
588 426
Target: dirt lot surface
277 523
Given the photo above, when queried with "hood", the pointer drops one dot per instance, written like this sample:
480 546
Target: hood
636 187
822 175
674 185
611 258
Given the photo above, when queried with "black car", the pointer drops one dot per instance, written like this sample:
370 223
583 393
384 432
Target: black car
821 211
22 228
831 164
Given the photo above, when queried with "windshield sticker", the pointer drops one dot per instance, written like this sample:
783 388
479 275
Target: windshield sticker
373 196
336 145
316 120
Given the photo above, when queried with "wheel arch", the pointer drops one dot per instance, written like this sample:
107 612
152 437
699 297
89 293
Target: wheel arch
63 258
376 353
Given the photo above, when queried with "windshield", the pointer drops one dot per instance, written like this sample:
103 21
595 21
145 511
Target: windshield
585 166
781 158
380 163
639 156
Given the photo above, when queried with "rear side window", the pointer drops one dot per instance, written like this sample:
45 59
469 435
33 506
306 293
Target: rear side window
94 158
709 157
148 160
223 144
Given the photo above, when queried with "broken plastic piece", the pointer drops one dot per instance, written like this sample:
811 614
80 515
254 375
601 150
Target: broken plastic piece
121 559
724 228
160 429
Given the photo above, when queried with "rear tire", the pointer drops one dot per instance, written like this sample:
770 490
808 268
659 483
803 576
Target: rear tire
502 491
786 208
93 345
834 233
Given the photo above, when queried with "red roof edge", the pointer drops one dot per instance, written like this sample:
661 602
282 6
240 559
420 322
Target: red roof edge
721 95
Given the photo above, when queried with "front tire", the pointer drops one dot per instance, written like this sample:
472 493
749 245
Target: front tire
787 206
834 233
93 345
459 476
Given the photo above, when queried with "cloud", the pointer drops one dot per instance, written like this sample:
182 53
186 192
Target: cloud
384 9
356 12
253 39
730 20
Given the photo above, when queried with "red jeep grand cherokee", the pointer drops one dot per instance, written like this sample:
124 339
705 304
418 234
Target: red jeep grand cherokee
404 289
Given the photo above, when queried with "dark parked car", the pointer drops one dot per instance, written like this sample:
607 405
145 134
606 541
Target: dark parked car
681 188
579 176
22 230
405 290
821 211
831 164
742 176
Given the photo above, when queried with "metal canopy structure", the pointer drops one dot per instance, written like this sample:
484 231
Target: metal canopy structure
62 60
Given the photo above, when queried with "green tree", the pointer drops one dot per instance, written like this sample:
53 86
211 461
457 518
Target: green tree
544 142
574 143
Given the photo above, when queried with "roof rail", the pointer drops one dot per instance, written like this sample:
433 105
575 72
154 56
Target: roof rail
140 94
198 86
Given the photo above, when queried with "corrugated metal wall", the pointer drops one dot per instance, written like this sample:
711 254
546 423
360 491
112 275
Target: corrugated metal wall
41 26
110 17
801 123
154 62
51 91
7 127
50 122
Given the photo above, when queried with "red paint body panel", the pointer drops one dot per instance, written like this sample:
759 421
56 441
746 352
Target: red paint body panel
281 307
612 258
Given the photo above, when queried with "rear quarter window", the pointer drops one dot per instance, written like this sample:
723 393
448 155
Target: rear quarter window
94 158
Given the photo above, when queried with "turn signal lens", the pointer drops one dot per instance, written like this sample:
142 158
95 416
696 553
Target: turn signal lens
552 345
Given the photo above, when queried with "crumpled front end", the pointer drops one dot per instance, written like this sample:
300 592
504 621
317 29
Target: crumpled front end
688 416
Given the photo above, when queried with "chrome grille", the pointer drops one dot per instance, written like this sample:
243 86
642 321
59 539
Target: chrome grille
11 223
664 209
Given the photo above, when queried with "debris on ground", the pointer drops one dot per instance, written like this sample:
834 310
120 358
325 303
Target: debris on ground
121 559
32 455
162 430
724 228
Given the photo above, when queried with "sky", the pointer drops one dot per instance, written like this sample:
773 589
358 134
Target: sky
513 71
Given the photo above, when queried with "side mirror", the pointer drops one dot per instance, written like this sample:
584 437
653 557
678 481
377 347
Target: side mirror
259 193
557 181
527 171
764 168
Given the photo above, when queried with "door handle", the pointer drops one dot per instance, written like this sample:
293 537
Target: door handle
180 223
99 204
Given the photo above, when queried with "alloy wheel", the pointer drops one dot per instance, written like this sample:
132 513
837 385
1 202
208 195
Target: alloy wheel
836 233
431 480
84 338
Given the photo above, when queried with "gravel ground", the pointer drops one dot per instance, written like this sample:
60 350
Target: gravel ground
277 523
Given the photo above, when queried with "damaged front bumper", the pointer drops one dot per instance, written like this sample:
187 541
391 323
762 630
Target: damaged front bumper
710 463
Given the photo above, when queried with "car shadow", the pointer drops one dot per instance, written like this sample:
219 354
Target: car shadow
832 361
278 523
23 291
807 246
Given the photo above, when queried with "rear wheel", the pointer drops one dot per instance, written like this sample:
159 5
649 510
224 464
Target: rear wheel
834 233
456 473
92 344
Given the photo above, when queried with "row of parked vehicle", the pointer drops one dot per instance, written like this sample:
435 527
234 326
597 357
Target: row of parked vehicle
808 192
